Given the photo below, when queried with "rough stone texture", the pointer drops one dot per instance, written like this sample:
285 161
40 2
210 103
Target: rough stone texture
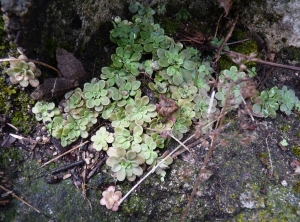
277 21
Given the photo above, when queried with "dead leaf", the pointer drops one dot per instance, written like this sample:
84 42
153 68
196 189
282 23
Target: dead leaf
69 66
73 75
226 4
166 106
52 87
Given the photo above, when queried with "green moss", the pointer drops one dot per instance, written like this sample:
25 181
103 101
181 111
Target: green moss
296 150
285 128
238 34
14 105
297 187
245 48
170 26
10 157
4 45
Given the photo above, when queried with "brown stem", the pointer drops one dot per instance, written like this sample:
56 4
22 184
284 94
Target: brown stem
44 64
217 56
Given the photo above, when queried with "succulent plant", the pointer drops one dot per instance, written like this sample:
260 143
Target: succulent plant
96 94
202 104
216 42
124 32
110 198
101 139
288 100
203 75
55 126
141 111
125 164
147 149
160 142
114 76
128 59
235 97
159 87
74 99
71 130
267 102
177 64
149 66
233 73
160 170
181 126
45 111
125 139
23 72
108 110
186 109
128 89
160 124
119 118
84 112
183 92
154 40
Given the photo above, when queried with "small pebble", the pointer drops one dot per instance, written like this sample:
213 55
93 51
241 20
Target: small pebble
38 138
67 176
46 139
55 153
91 155
44 128
284 183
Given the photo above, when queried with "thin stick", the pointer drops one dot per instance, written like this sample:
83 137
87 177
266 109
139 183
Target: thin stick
216 32
217 56
12 126
76 147
257 60
248 110
236 42
19 198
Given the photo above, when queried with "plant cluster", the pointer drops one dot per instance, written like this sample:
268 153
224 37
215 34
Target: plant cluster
181 83
23 72
269 101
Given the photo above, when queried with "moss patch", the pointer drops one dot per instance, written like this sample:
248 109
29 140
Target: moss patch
245 48
296 150
15 105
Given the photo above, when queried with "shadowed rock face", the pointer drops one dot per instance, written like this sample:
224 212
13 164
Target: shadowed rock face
35 21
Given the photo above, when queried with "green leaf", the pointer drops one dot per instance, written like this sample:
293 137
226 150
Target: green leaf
189 65
120 52
163 62
148 47
171 70
136 57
